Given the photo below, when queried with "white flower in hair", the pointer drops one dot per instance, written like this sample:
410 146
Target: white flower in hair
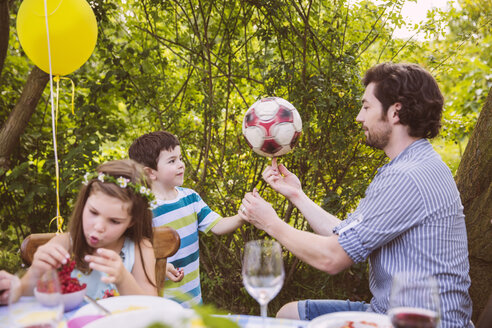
153 204
100 177
86 178
145 191
122 182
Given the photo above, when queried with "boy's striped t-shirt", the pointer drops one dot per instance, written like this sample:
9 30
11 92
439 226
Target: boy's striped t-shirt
187 214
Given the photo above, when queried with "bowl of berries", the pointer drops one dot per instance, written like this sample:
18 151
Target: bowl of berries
72 291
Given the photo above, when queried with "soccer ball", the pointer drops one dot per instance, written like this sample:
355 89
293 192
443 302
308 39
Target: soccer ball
272 126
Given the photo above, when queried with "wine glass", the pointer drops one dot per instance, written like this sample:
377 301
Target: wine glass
414 301
263 271
44 310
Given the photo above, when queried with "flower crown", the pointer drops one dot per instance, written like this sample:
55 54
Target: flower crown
123 182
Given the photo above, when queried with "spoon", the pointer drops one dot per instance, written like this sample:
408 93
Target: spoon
97 305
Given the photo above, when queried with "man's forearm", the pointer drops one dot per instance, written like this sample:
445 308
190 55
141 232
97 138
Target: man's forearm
321 252
320 220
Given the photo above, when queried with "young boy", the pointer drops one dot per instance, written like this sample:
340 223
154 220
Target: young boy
179 208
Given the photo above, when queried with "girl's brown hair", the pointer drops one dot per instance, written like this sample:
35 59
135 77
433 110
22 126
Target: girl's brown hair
140 213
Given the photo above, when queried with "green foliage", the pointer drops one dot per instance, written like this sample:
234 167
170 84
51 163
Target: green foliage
207 316
9 259
450 151
158 325
193 68
457 51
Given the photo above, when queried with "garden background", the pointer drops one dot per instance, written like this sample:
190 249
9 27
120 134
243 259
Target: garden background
193 68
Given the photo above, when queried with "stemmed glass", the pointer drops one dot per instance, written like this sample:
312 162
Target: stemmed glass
44 310
263 271
414 301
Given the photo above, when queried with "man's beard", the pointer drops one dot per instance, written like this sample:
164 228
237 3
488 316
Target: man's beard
379 136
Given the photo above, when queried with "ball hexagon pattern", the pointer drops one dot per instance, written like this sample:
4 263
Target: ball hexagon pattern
272 127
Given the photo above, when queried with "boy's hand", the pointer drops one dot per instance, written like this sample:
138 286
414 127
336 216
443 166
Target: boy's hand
109 262
174 274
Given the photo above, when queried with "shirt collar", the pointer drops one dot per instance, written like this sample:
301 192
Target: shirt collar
416 146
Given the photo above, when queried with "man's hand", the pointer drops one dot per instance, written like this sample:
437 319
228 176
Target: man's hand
174 274
257 211
282 180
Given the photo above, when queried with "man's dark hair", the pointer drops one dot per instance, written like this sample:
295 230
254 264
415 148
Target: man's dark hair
146 148
417 92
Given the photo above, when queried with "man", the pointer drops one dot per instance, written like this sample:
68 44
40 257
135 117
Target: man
411 218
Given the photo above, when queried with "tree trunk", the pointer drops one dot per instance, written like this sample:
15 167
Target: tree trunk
4 31
474 180
21 114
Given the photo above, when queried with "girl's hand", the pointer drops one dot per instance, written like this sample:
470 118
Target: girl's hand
174 274
49 256
109 262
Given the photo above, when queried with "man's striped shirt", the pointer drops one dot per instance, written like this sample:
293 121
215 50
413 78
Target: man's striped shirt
411 220
187 214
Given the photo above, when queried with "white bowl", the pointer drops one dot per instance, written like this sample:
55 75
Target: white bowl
70 301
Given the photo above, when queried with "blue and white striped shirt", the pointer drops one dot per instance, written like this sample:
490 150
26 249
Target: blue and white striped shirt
187 214
411 219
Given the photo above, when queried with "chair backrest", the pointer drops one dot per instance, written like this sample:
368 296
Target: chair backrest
166 243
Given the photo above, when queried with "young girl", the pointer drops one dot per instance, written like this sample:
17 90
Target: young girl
110 235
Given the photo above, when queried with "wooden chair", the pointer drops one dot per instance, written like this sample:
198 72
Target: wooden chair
166 243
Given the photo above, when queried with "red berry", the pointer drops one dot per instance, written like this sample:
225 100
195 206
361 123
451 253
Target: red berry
67 283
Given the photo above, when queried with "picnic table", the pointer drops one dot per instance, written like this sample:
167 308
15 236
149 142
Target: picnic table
244 321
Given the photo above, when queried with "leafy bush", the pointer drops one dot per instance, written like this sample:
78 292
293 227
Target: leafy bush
193 69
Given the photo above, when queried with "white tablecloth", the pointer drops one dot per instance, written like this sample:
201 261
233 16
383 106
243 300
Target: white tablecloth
244 321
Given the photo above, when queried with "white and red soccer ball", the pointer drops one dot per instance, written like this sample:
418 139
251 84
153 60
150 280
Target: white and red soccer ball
272 126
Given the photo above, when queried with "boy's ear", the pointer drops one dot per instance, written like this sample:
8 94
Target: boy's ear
150 172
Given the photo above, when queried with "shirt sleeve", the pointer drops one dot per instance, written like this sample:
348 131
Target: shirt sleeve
391 206
207 218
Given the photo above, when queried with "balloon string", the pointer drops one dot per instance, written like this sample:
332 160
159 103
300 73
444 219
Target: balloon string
58 218
57 98
57 80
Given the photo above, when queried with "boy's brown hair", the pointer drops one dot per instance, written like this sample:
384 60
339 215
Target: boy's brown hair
146 148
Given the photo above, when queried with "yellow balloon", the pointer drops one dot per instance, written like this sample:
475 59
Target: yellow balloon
73 33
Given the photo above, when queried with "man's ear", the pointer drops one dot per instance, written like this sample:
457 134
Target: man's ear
150 173
393 112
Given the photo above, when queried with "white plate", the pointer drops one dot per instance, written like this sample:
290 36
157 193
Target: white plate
359 320
141 319
134 303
